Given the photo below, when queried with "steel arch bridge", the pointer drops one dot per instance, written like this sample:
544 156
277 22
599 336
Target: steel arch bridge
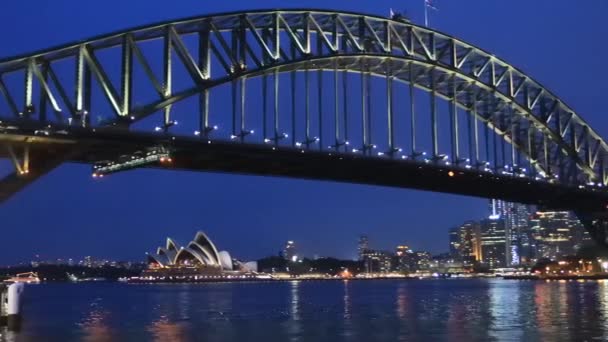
303 93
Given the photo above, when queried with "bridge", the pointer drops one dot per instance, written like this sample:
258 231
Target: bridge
302 93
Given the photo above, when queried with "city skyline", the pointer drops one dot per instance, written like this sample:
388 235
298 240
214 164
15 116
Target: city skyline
271 210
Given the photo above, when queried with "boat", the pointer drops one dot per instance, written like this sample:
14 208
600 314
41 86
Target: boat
27 278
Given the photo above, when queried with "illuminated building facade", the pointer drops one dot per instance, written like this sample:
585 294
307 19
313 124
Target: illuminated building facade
377 261
404 259
556 234
493 243
454 242
467 243
199 257
289 252
363 246
516 218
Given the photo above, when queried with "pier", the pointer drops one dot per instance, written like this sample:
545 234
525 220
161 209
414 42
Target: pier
10 305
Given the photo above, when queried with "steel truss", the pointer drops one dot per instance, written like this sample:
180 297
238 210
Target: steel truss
233 48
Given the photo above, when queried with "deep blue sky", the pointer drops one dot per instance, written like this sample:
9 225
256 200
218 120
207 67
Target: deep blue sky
67 214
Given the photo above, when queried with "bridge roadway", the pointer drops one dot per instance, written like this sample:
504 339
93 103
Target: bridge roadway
195 154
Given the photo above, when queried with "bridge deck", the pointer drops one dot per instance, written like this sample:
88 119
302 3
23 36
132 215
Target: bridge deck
200 155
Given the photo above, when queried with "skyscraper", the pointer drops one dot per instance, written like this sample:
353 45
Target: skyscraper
469 243
363 246
455 243
289 252
494 242
515 217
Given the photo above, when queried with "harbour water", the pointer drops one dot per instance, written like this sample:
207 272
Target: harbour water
377 310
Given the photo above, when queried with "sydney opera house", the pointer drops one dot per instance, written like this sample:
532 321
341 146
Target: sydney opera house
198 260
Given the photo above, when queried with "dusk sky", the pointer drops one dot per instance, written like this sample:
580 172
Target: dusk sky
68 214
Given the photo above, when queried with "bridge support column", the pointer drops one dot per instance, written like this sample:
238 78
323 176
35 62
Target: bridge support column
596 224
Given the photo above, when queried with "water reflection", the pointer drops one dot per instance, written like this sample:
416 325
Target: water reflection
164 330
439 310
95 326
401 302
294 325
504 310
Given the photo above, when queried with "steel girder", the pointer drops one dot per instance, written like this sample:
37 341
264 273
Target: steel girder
244 44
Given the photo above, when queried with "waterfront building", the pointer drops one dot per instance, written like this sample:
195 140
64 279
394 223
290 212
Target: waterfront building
494 243
289 252
556 234
422 261
446 263
363 246
467 243
199 257
403 259
515 217
454 242
377 261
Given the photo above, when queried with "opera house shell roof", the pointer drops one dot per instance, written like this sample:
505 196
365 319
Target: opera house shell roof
200 252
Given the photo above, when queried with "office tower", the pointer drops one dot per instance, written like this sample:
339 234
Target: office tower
515 217
556 234
363 246
494 243
289 252
468 247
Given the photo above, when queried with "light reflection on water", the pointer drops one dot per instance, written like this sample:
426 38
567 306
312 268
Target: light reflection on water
431 310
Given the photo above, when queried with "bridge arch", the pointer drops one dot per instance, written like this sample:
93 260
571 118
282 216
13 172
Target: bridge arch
230 49
232 46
